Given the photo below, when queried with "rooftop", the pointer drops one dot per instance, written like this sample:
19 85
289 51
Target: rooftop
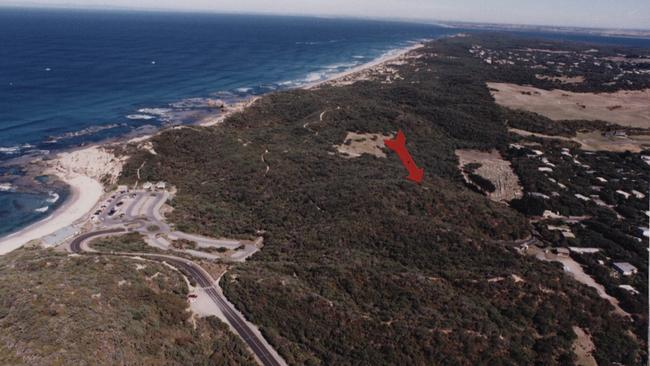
59 236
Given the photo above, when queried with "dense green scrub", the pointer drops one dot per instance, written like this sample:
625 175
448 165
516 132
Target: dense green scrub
361 266
58 309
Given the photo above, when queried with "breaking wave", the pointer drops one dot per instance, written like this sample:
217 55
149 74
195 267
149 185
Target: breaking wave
191 103
140 117
53 198
13 150
313 43
6 187
83 132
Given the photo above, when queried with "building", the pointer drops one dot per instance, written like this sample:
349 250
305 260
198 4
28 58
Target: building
563 252
617 133
625 268
629 289
59 236
580 250
147 186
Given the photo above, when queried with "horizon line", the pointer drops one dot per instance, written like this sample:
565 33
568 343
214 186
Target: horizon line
439 22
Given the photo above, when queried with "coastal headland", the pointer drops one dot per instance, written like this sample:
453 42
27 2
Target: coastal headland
515 248
90 171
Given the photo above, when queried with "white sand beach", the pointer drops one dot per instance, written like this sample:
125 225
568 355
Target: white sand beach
389 57
85 193
81 170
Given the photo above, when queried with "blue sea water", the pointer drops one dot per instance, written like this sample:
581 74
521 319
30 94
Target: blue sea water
70 77
74 77
19 209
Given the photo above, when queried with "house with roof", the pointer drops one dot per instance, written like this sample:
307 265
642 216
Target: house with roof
626 269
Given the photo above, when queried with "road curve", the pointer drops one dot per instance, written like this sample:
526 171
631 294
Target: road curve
75 245
204 280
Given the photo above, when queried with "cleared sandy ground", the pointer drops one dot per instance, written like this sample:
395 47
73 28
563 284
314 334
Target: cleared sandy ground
626 108
357 144
495 169
596 141
583 347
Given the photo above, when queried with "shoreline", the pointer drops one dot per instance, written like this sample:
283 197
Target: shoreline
81 170
387 57
86 191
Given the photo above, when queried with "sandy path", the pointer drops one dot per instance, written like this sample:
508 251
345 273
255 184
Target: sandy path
575 269
584 348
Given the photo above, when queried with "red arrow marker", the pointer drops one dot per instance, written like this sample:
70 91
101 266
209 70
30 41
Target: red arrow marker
398 144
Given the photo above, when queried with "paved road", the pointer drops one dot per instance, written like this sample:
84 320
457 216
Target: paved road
75 245
244 331
204 280
143 210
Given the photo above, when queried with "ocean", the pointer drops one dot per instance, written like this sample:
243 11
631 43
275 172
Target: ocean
73 77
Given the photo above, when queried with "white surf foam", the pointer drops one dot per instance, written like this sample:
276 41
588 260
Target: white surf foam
42 209
11 150
342 65
53 197
155 111
6 187
83 132
140 116
315 76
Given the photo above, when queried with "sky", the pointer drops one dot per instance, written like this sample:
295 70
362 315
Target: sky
580 13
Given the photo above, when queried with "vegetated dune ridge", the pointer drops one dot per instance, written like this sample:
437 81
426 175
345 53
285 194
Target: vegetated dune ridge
361 266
